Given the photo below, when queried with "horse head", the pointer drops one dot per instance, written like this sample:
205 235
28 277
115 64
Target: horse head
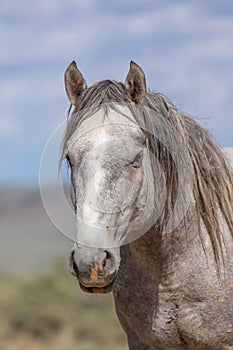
110 167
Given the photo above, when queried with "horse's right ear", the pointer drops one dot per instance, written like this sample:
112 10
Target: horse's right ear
75 83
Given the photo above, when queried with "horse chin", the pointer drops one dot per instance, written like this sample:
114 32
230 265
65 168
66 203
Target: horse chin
98 290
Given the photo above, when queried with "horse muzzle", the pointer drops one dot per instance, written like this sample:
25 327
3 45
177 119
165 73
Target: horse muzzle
95 269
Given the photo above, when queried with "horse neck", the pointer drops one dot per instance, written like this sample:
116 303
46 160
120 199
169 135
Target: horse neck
147 251
160 253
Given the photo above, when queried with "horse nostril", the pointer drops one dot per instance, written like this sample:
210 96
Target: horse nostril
105 259
108 260
73 268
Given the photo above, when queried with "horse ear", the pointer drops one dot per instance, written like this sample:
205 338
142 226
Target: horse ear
135 83
75 83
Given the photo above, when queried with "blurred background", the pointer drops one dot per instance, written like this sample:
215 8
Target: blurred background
186 51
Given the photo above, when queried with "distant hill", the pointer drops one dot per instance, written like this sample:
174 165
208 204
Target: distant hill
28 240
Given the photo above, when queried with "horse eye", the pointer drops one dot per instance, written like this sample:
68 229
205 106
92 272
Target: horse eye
135 165
137 162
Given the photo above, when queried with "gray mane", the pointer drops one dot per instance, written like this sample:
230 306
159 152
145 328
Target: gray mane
213 175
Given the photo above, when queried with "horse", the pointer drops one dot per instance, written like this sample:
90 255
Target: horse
152 193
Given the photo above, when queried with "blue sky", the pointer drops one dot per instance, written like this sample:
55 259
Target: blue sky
184 47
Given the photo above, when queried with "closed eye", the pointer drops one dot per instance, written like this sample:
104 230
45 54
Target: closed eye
137 161
134 165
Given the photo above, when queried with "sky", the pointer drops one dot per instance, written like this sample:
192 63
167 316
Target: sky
184 47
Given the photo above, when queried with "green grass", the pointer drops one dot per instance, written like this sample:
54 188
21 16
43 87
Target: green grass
48 311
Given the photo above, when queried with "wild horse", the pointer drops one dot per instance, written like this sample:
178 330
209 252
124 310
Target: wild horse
153 194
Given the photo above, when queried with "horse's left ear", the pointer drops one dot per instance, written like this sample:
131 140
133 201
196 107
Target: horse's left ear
135 83
74 82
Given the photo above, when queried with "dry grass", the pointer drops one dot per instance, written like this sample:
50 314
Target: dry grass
49 312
